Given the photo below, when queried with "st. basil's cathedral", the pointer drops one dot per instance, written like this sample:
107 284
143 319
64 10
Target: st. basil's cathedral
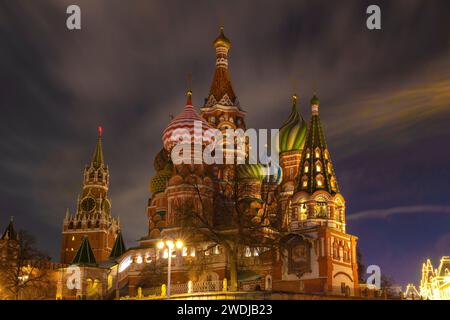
295 240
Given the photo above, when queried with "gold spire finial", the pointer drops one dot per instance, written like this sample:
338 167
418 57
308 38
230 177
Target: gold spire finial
222 40
189 92
294 90
189 83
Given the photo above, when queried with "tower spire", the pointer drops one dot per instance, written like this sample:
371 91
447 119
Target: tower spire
10 233
316 165
221 91
189 92
97 158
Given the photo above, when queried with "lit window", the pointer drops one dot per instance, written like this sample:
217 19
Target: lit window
148 258
71 249
165 254
305 181
125 264
319 180
184 252
308 154
306 169
192 252
317 153
139 259
73 238
248 252
318 166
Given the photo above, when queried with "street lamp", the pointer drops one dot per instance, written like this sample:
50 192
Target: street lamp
170 245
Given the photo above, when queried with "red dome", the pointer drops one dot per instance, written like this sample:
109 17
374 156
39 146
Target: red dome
182 128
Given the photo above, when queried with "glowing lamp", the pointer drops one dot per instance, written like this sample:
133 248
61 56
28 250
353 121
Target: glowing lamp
179 244
169 244
160 245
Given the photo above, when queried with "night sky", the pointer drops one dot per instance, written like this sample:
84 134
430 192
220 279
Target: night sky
385 105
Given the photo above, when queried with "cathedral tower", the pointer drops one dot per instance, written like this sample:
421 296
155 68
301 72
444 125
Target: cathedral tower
291 141
317 213
222 108
93 215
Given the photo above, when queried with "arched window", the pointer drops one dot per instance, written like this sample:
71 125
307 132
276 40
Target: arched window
329 167
326 154
302 213
304 181
308 153
333 183
317 153
306 168
335 250
318 166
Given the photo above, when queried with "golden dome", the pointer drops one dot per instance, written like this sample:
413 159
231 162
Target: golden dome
222 41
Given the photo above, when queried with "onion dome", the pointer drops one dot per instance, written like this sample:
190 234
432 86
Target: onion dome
273 174
293 132
222 40
315 100
159 181
250 171
182 127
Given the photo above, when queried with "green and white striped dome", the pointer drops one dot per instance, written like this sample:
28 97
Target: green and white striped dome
293 132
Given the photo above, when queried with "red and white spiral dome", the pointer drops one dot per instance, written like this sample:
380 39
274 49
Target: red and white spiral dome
181 128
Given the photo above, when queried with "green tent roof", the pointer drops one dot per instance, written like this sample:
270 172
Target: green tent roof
85 255
315 140
118 248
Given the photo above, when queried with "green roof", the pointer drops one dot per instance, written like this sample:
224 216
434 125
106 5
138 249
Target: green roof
118 248
85 255
292 133
10 233
97 158
315 100
315 140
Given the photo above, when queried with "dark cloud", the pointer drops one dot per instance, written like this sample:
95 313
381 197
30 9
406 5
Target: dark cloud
384 102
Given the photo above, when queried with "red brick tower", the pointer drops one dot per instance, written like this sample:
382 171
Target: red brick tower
93 216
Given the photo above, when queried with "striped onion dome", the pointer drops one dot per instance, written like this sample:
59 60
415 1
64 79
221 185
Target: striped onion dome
273 174
181 128
293 132
250 171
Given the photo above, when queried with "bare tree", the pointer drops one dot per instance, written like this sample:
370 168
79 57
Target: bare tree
233 222
24 272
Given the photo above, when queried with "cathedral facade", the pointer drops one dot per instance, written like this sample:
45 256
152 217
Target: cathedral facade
247 227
